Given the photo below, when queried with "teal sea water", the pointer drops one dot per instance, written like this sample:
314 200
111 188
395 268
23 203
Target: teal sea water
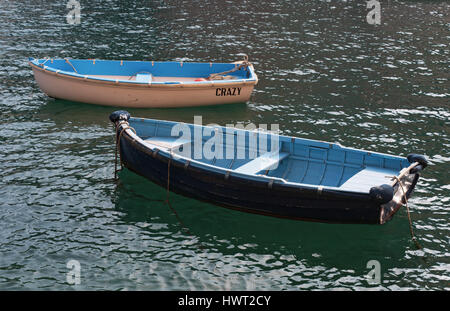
325 74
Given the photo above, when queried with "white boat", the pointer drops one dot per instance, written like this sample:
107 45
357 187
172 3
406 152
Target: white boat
145 84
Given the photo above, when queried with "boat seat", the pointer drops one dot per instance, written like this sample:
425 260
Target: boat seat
263 162
143 77
368 178
167 142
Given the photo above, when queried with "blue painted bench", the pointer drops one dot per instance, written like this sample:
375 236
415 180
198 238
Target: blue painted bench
266 161
167 142
367 178
143 77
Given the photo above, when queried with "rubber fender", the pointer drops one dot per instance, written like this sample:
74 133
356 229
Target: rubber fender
119 115
382 194
413 157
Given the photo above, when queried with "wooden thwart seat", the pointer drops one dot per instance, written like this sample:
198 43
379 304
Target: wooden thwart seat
167 142
268 160
366 179
143 77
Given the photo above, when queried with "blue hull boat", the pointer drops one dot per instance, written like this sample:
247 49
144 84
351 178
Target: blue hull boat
297 178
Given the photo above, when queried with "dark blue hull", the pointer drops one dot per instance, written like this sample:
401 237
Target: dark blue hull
250 196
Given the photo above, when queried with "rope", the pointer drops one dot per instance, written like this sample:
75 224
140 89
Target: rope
408 212
46 60
119 136
245 63
167 201
170 205
67 61
168 180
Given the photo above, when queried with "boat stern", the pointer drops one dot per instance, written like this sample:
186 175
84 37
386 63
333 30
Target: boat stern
393 196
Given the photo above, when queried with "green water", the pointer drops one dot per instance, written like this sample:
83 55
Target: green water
325 74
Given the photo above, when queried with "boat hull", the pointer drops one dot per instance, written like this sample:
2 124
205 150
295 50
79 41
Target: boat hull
256 197
110 93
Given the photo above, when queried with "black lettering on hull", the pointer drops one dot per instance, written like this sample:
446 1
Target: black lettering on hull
230 91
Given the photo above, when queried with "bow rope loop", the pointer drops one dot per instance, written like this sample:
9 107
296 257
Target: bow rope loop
220 75
118 137
67 61
46 59
407 209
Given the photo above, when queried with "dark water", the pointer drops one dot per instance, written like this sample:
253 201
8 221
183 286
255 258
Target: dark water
325 74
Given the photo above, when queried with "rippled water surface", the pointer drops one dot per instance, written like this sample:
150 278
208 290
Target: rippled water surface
325 74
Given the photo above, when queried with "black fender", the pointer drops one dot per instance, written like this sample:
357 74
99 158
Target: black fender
119 115
413 157
382 194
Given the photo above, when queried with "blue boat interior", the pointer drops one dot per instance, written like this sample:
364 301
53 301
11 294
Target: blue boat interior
143 71
261 154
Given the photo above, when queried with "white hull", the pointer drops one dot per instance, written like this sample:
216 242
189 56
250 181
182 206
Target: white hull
110 93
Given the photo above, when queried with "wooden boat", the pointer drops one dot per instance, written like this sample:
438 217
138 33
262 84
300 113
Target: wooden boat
147 84
299 179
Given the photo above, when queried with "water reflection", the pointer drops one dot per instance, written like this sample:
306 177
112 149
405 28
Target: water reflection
144 202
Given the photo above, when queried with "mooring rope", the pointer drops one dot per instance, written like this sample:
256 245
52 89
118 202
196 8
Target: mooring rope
407 210
67 61
245 63
170 205
167 201
168 180
119 136
46 59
